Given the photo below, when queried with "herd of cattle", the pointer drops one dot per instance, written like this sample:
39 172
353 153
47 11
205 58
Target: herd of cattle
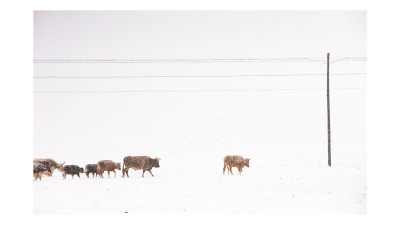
145 163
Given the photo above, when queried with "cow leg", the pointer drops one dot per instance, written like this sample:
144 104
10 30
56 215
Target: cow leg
37 175
151 173
40 176
72 176
230 169
108 173
143 173
126 171
79 176
223 171
64 176
115 174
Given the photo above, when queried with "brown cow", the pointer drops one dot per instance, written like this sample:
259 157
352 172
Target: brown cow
235 161
144 163
51 163
107 165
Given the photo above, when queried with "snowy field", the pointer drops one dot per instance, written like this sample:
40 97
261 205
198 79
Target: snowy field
248 83
284 134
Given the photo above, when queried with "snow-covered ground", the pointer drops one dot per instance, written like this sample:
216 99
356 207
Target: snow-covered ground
284 134
187 188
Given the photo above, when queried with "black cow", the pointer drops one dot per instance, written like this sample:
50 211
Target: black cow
144 163
72 170
51 163
91 169
39 169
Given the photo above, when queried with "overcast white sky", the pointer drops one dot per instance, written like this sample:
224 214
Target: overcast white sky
193 34
198 34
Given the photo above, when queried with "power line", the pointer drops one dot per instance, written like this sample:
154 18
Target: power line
183 91
211 60
350 59
189 76
169 60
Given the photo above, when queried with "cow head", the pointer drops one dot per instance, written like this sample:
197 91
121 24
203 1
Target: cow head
156 162
118 166
81 170
247 163
60 166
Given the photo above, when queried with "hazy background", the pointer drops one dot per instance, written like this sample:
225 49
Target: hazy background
79 124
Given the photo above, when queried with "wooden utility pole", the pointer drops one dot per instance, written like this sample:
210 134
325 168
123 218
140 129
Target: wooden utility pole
329 112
